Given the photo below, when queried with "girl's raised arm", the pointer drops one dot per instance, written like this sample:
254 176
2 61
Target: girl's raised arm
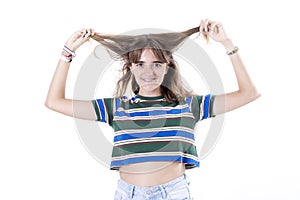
56 99
247 91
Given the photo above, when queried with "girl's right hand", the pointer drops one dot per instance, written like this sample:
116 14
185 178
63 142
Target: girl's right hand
78 38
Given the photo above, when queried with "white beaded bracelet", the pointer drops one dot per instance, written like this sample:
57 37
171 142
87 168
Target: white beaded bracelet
63 58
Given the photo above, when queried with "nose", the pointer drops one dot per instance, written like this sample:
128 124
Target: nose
148 69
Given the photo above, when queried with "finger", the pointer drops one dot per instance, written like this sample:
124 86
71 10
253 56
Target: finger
212 27
218 27
206 25
92 32
80 32
202 29
84 32
88 33
202 25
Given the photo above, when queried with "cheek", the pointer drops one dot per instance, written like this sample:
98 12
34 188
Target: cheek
162 77
136 75
133 72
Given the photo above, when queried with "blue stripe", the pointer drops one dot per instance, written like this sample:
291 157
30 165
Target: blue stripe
191 161
154 134
188 100
102 110
127 161
152 113
206 106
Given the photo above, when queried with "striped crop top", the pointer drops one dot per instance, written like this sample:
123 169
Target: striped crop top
152 129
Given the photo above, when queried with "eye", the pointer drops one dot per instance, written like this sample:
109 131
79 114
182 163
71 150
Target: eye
138 65
157 65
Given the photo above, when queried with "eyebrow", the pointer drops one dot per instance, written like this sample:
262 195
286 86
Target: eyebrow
157 61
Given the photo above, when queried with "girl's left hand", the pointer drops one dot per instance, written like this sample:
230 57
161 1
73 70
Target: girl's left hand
214 30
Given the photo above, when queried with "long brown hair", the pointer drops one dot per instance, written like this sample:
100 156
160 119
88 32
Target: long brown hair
128 48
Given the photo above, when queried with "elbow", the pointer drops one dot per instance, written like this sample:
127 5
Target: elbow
257 95
59 105
253 94
49 104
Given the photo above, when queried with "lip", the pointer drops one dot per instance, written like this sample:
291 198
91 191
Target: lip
149 80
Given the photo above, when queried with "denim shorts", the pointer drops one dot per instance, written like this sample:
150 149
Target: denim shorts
177 189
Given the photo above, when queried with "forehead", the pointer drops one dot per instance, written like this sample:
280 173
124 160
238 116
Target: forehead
148 55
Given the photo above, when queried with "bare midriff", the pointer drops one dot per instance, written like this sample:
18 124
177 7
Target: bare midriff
149 174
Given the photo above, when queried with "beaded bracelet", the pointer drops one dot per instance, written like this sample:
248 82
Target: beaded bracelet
235 50
65 59
67 54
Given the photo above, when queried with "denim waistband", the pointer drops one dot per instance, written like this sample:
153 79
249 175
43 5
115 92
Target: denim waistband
163 189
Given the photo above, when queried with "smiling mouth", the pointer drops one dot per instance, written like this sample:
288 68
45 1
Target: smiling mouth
149 80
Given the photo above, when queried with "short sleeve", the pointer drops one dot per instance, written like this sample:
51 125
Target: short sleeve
104 109
202 106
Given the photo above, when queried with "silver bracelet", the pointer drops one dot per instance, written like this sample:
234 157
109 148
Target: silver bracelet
69 51
235 50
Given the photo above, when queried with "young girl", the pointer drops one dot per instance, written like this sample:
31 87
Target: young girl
154 141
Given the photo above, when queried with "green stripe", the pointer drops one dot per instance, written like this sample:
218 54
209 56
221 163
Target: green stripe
96 109
154 123
109 108
212 100
154 147
196 106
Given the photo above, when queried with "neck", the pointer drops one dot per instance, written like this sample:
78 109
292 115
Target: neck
150 93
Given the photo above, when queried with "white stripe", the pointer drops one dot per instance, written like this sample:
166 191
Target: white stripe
136 155
154 100
170 128
155 139
164 108
202 108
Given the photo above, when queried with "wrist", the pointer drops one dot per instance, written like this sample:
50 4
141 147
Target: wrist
228 44
71 47
67 54
233 51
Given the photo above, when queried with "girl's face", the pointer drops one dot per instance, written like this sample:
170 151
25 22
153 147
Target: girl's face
149 73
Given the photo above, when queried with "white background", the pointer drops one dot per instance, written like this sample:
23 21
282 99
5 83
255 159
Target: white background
42 156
